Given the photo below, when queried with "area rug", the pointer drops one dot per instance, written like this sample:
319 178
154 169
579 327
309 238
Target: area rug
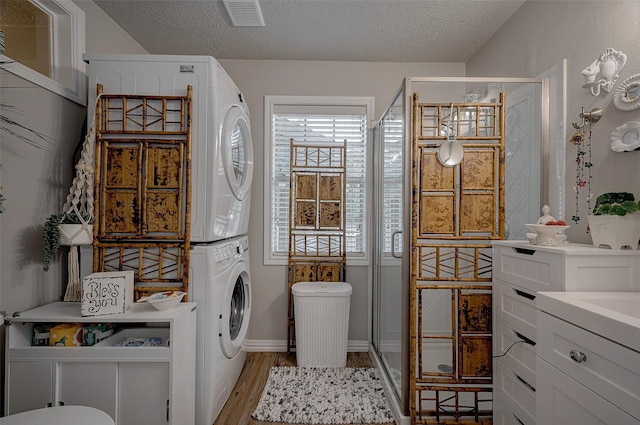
306 395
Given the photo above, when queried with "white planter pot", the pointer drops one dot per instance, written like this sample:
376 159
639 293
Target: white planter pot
615 232
76 234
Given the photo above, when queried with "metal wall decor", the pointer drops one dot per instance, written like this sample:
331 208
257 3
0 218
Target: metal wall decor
581 138
604 71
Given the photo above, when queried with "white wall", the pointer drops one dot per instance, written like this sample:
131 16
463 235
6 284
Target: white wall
36 177
260 78
539 35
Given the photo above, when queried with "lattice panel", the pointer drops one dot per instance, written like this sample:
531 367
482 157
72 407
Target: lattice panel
455 211
464 344
315 271
143 188
310 156
318 201
454 262
157 266
315 245
470 121
465 201
132 114
443 405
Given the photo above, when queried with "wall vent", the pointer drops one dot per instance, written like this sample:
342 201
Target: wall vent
244 13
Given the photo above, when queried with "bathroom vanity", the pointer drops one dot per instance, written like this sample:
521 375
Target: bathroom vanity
588 365
520 272
135 385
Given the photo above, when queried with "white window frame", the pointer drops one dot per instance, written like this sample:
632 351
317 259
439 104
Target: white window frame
270 103
67 47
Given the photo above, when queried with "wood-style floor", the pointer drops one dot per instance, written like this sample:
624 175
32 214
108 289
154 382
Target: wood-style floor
246 394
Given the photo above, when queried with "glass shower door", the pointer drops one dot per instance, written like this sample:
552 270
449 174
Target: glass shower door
389 314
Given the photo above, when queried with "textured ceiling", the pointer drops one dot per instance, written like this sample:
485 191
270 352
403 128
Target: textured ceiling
328 30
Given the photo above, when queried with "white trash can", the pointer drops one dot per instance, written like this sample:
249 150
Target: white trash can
322 323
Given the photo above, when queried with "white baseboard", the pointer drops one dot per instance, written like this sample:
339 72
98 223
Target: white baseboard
280 346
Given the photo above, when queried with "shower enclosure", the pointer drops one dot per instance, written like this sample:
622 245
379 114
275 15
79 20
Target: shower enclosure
418 336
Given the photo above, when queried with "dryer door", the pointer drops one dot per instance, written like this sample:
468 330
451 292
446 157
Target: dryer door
237 152
236 309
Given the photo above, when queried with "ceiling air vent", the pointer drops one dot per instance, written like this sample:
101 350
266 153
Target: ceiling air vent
244 13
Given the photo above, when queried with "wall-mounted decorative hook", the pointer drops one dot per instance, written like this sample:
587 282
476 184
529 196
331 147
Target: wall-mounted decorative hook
592 117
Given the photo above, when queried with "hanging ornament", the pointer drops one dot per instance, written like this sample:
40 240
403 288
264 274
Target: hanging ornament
584 162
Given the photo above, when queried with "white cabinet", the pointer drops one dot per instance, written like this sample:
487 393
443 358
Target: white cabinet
584 378
520 271
134 385
23 393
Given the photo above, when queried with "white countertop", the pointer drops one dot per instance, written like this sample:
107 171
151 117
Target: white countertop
569 249
70 312
612 315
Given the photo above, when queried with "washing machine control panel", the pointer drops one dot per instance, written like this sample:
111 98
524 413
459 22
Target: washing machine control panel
227 252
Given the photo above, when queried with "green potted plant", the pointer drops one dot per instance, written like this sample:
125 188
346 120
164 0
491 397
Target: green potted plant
65 229
615 221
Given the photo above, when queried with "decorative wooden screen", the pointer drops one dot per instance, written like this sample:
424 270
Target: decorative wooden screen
143 188
456 212
317 218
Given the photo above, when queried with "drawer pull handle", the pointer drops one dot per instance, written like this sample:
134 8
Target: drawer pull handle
528 385
517 419
525 251
525 339
525 295
577 356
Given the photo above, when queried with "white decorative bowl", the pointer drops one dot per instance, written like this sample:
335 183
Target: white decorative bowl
165 300
548 234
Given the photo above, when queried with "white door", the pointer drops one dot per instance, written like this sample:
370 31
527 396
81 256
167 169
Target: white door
143 393
88 384
30 386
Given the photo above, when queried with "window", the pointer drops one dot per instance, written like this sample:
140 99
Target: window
316 119
44 43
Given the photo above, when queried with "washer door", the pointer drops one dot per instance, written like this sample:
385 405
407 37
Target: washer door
237 152
236 309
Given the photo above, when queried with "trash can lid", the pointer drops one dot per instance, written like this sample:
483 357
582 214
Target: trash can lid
321 289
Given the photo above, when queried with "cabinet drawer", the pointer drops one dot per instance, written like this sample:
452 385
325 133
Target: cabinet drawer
528 267
562 401
503 414
573 267
516 391
608 368
515 307
520 356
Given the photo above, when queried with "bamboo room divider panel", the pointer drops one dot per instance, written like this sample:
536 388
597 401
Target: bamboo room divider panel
317 218
456 212
143 188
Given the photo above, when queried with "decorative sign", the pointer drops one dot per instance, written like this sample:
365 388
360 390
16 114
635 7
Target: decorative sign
107 293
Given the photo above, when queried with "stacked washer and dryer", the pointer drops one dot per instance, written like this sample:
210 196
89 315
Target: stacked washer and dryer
222 169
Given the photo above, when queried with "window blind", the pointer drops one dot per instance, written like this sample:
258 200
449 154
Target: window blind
323 128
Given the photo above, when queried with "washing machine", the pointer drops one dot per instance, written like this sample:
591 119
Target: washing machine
220 283
221 146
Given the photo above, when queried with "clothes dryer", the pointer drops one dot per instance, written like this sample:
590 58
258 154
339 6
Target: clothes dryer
220 284
222 150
